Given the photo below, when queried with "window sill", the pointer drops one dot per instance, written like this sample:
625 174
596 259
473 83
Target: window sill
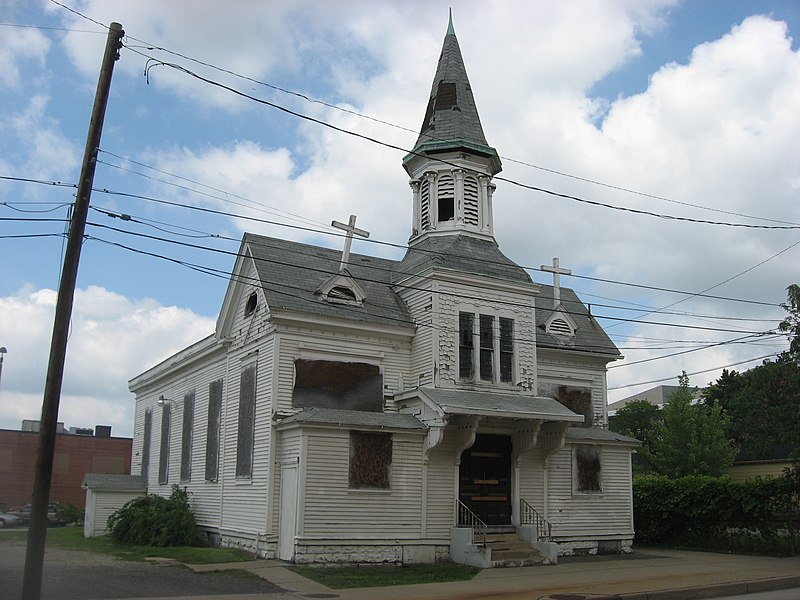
369 491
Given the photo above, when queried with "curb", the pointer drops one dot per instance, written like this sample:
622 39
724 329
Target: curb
719 589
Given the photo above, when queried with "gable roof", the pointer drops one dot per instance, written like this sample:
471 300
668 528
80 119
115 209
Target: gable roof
290 273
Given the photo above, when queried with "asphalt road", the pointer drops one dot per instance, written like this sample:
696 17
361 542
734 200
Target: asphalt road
77 575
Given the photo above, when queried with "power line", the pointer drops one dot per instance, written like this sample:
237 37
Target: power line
741 362
156 47
373 241
153 62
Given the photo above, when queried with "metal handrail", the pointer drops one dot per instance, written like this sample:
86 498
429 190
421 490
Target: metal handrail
466 518
529 516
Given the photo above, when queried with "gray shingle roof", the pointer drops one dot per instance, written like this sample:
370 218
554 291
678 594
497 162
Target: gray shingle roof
114 483
462 253
291 272
451 120
500 405
589 336
580 434
354 418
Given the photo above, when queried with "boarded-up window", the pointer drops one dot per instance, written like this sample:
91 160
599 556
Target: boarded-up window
370 460
163 453
588 473
247 414
187 433
465 345
212 433
577 399
331 384
148 428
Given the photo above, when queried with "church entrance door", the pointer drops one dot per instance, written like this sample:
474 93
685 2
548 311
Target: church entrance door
484 478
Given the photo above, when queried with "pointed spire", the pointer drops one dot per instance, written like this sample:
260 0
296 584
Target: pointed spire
451 120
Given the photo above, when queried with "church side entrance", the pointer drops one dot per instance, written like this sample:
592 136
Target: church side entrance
484 478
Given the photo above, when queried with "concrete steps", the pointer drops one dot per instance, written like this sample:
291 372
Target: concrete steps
509 550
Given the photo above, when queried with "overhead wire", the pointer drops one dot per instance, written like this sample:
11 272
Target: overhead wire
373 241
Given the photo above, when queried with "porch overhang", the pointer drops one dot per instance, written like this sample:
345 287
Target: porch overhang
493 404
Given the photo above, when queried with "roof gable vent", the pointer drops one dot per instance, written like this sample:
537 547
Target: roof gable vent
560 324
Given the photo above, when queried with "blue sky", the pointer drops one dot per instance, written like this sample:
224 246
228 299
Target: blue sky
684 109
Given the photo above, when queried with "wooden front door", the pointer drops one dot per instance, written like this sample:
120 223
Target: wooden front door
485 478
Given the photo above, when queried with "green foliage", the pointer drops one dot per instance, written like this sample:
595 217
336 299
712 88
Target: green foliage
153 520
791 324
639 419
72 514
691 439
717 512
763 405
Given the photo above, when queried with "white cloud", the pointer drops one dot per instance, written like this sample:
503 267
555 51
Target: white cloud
112 339
43 151
18 45
718 131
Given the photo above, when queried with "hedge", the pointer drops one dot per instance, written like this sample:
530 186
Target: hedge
710 512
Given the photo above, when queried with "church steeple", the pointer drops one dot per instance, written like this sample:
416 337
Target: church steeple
451 165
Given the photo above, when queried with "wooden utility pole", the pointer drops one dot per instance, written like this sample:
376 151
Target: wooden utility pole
37 530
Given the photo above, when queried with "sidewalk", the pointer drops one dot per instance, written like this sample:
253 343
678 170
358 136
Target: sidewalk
644 575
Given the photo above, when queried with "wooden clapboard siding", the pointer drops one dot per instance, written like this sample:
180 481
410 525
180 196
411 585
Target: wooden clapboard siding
331 510
596 514
244 507
422 305
531 480
441 489
204 496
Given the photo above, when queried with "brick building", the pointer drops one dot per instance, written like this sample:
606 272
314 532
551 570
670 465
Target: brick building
75 456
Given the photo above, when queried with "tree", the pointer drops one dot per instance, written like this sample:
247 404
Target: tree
692 437
639 419
763 406
791 324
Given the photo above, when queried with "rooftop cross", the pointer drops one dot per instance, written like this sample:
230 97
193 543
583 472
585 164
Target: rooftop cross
557 272
351 229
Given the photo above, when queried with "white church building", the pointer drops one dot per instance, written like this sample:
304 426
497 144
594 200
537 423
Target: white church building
349 408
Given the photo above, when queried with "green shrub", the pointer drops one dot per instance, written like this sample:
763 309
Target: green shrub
717 513
153 520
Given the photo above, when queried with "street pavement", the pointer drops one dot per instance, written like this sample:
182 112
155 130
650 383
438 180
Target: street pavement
649 574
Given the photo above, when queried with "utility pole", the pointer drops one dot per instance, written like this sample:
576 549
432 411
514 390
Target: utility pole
37 530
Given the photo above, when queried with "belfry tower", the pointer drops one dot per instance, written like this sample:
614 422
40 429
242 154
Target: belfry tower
451 165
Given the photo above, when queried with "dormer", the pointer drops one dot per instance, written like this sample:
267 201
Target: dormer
342 289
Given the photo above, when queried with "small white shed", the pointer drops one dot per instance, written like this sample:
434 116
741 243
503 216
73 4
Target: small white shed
104 495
